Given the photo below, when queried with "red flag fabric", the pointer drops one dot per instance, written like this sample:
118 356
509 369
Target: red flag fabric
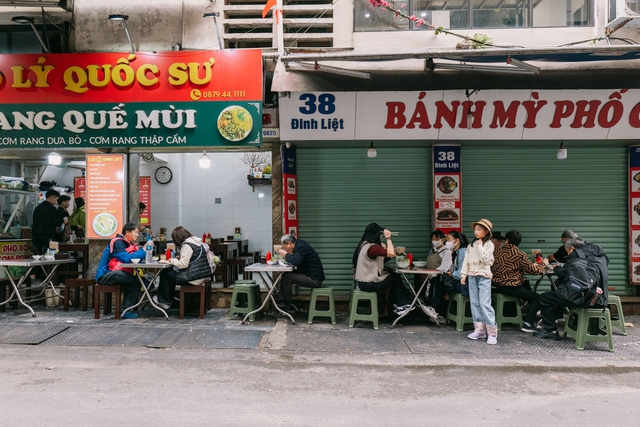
267 7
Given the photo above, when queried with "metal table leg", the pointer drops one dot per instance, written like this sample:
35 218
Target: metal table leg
416 299
16 290
147 297
269 283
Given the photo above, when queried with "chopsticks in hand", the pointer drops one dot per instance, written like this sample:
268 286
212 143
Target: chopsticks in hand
394 233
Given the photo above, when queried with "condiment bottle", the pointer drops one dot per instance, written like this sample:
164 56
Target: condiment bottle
268 256
168 254
208 239
204 237
410 259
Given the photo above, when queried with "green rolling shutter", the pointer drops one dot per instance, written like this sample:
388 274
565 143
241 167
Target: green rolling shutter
528 189
340 191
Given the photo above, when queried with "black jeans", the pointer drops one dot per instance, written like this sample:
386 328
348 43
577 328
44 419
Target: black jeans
287 281
551 306
167 286
40 244
437 298
129 284
524 292
393 281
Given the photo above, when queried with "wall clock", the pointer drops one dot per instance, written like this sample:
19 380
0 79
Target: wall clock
163 175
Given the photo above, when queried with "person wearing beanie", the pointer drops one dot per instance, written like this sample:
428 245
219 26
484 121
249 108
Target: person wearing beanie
476 272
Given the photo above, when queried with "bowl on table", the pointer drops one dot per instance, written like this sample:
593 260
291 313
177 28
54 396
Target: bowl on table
402 264
420 264
272 262
135 260
49 257
36 257
155 258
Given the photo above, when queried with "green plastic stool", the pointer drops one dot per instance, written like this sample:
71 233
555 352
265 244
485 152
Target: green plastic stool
500 302
314 312
577 325
459 306
244 290
615 300
358 295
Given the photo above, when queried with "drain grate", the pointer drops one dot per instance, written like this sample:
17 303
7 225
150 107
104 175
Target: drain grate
130 336
29 334
207 338
512 343
354 340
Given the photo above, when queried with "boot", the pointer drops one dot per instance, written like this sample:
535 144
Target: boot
493 334
479 332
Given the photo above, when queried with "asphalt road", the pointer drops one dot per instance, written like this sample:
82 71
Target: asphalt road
101 386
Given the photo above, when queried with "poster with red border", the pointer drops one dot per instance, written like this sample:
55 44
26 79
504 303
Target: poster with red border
289 191
634 214
447 201
80 187
105 195
145 197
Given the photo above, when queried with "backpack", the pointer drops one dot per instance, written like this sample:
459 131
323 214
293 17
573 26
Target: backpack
583 278
434 260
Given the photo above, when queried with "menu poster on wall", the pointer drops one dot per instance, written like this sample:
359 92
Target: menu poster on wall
80 187
446 192
634 213
105 195
145 197
290 190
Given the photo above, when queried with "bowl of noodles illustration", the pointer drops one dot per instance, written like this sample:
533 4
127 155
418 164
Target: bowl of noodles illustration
105 224
235 123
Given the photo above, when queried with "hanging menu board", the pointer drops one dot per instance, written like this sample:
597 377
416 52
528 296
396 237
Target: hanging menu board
634 213
105 195
145 197
446 180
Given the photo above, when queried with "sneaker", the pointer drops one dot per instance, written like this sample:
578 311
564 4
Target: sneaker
128 315
404 309
549 335
160 304
476 336
527 327
492 340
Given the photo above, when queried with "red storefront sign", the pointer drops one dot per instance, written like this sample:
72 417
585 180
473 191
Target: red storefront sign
220 75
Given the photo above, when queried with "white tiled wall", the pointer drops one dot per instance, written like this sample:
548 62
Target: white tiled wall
189 199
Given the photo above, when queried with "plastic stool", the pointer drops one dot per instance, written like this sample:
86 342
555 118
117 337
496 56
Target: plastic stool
314 312
615 300
107 290
358 295
249 290
500 302
577 325
462 306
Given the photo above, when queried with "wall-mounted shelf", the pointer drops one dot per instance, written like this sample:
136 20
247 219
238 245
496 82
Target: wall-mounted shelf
253 181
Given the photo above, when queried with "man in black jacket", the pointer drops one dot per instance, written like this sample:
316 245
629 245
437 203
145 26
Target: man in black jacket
583 262
45 222
308 273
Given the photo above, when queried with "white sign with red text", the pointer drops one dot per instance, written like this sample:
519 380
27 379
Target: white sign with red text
446 115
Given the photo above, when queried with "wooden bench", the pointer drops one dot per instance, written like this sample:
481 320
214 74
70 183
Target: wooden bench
205 296
76 284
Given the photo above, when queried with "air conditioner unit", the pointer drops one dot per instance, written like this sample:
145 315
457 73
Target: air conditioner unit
623 14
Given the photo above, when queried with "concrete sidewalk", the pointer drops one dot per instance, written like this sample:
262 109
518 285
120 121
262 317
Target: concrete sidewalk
416 341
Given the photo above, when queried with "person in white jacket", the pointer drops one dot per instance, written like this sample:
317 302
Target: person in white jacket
476 270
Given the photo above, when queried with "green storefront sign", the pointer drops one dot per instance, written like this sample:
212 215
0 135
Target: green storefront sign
132 125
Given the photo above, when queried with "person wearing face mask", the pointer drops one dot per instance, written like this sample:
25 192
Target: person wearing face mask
449 282
439 256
